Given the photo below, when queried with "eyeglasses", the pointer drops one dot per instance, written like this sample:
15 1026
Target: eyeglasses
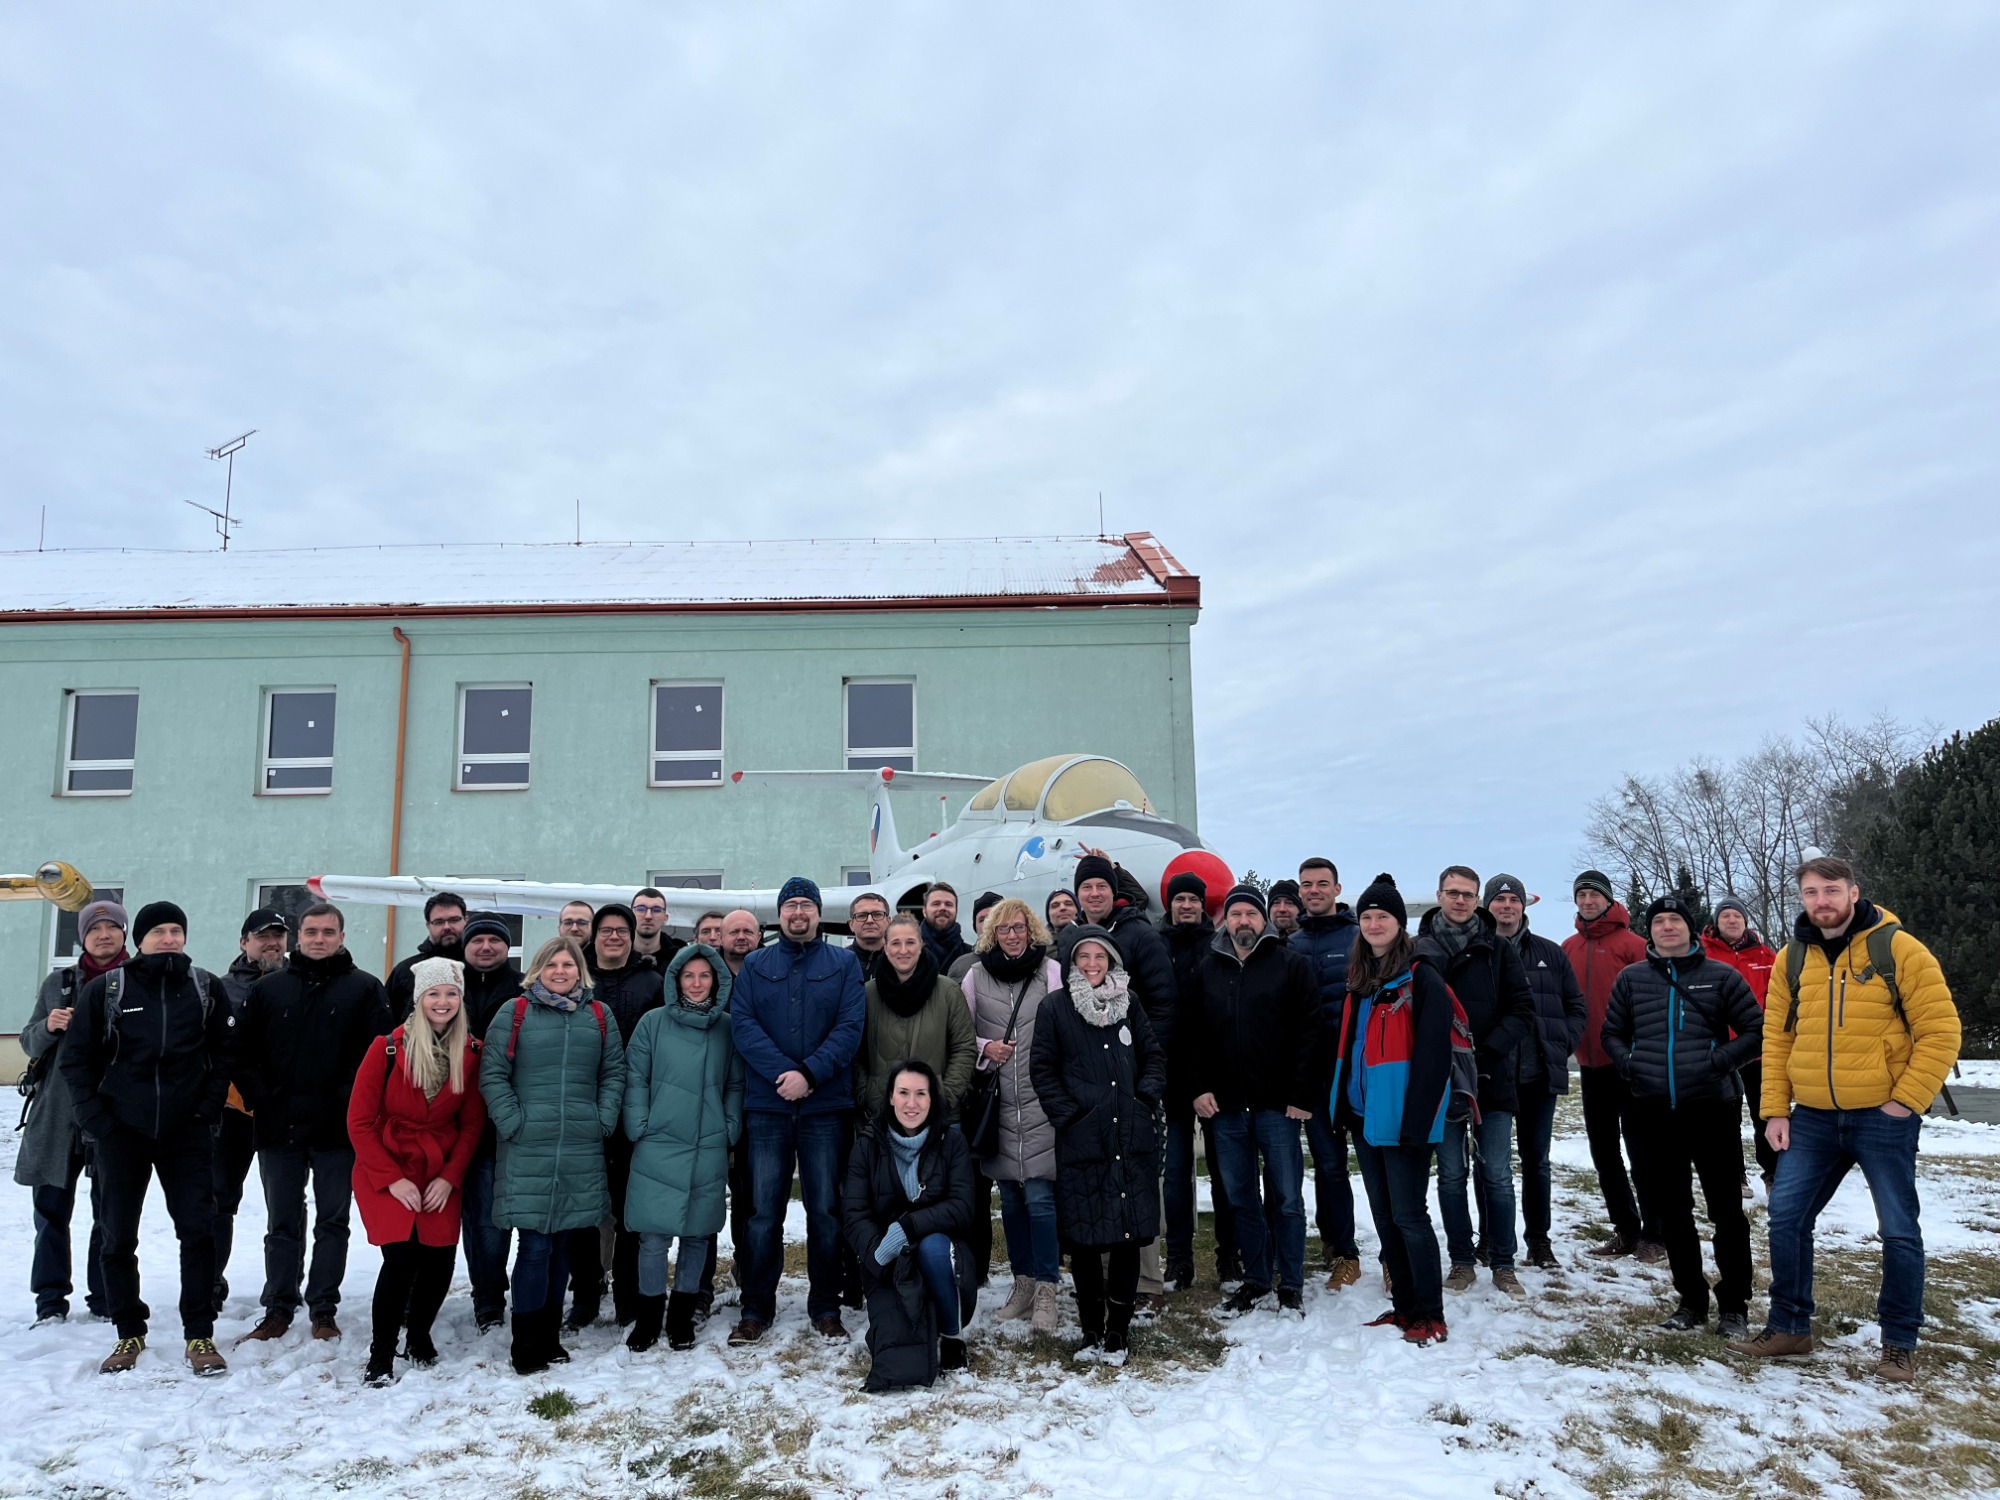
1012 929
649 910
869 916
1459 895
798 904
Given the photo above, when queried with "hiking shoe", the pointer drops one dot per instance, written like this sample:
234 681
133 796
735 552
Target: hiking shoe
829 1326
1147 1307
124 1355
951 1353
1897 1364
1542 1256
1461 1278
58 1315
1683 1319
1649 1252
1180 1278
203 1359
490 1321
1020 1301
420 1351
747 1331
1247 1299
325 1328
1505 1280
581 1316
381 1371
1731 1327
1043 1319
1771 1344
1291 1301
1619 1244
1424 1331
1342 1270
274 1326
1389 1319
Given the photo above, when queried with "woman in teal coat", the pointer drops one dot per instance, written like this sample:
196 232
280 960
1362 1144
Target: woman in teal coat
683 1111
553 1076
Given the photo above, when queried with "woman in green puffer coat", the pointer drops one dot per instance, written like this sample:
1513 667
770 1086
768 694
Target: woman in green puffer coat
553 1076
683 1111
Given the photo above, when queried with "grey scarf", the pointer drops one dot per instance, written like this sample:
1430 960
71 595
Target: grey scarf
1452 936
1104 1005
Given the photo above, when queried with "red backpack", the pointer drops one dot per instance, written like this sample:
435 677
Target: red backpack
521 1011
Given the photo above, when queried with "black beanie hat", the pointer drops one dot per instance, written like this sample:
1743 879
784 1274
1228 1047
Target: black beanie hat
155 914
1284 890
490 923
1245 893
1382 895
1187 883
1595 880
612 909
1096 867
1669 904
1061 890
986 901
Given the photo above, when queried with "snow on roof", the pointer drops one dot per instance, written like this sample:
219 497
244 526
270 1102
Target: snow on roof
509 577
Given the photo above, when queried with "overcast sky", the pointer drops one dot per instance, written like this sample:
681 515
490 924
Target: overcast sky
1538 398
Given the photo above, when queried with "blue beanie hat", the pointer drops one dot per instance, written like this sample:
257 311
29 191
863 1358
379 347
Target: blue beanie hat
798 886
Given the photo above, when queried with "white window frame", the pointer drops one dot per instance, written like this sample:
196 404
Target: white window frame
855 875
666 880
654 755
462 760
885 753
267 763
69 765
97 893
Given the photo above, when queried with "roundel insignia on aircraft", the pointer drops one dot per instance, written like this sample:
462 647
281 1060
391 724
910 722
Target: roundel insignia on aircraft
1213 873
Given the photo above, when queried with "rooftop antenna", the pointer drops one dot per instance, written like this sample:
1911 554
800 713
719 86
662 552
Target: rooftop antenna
1100 512
222 519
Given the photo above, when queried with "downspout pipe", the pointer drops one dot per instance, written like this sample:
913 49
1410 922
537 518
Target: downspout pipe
396 808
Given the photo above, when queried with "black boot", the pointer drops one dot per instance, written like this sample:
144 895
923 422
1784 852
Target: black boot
529 1353
646 1317
680 1319
552 1326
381 1365
1090 1313
419 1349
1117 1331
951 1352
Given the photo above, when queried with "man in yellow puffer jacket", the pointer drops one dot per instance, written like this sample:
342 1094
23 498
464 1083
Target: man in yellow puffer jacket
1848 1075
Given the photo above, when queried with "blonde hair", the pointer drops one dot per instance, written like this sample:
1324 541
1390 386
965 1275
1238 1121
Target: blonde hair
548 951
430 1060
1007 911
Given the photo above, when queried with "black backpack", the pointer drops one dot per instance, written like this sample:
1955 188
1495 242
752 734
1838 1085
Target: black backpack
1881 965
34 1078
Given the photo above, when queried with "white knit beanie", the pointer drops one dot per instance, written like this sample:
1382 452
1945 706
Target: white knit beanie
427 973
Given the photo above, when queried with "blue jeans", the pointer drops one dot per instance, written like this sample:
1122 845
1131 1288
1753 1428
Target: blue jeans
1333 1189
1240 1138
541 1269
653 1250
485 1243
814 1145
1028 1219
934 1264
1496 1182
1825 1143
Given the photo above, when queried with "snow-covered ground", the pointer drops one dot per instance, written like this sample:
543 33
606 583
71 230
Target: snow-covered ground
1570 1394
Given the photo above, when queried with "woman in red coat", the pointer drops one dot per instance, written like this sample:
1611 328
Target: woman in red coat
415 1119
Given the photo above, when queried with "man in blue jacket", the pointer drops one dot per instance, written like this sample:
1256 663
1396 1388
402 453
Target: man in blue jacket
796 1013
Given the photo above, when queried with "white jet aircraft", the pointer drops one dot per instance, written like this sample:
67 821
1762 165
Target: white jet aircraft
1020 835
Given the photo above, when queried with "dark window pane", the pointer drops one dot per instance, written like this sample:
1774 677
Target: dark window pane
874 762
107 726
493 773
856 876
687 718
687 770
288 901
69 942
689 882
100 781
496 721
880 713
297 778
301 726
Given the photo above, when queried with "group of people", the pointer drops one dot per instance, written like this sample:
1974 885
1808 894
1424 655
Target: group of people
608 1107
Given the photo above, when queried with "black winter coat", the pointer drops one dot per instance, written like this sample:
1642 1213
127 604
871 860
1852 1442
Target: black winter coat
902 1324
628 993
1561 1013
487 991
945 948
303 1034
1327 941
1185 947
1151 968
237 981
169 1060
1667 1028
1098 1086
401 983
1492 987
1248 1025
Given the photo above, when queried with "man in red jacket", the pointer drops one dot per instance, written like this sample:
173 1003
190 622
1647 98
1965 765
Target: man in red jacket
1604 943
1733 941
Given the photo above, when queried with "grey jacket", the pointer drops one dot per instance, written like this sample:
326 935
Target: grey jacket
51 1139
1027 1140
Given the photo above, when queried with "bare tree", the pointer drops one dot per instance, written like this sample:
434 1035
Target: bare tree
1742 830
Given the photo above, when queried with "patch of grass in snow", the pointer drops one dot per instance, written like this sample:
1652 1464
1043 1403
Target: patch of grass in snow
360 1472
553 1406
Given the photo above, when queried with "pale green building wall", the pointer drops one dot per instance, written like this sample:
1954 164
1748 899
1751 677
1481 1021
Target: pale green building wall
994 689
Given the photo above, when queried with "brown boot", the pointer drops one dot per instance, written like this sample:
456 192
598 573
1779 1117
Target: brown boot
1898 1364
747 1331
1342 1270
829 1326
325 1328
203 1359
1619 1244
1461 1278
1505 1279
1650 1253
275 1326
1771 1344
122 1357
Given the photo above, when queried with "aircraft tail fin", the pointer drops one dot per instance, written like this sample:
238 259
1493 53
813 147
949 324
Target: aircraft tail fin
885 851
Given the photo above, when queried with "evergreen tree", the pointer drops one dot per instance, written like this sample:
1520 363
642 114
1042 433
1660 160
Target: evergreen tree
1932 856
1250 877
1636 901
1692 897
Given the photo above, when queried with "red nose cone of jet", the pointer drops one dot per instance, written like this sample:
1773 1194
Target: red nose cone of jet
1211 871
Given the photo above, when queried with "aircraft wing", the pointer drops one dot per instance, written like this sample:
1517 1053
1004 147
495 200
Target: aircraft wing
914 781
537 898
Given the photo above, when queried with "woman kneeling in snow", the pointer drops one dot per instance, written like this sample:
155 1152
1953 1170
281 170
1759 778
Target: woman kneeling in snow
415 1117
906 1206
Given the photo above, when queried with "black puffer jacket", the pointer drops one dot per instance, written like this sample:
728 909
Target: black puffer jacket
1144 951
1248 1026
1185 947
1098 1086
628 993
486 991
1327 941
1560 1014
401 983
1667 1027
303 1034
1491 985
168 1062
